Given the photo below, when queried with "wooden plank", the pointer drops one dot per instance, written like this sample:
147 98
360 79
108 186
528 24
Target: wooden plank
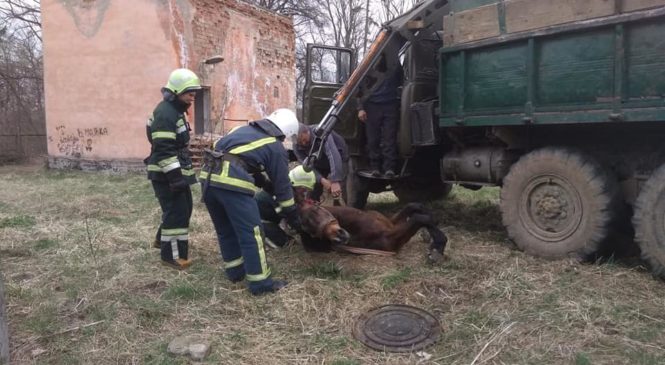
448 30
4 332
633 5
523 15
635 16
476 24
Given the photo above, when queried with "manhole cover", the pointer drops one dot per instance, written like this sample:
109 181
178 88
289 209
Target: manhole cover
397 328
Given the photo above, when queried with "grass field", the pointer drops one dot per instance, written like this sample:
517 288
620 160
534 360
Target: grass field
85 287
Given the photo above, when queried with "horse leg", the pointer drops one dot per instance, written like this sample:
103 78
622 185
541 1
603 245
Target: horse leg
406 212
439 239
402 232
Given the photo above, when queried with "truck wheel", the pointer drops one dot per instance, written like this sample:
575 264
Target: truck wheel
558 202
422 192
357 188
649 221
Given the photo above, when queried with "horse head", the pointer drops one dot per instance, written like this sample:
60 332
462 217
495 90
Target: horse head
317 221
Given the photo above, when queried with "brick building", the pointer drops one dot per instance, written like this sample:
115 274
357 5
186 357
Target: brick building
105 62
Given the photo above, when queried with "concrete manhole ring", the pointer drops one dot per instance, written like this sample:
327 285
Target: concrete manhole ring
397 328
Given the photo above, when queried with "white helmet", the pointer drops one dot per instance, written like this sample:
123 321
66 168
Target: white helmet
286 121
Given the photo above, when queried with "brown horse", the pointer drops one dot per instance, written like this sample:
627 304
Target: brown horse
335 227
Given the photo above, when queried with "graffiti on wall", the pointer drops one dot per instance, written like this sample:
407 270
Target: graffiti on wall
87 15
78 142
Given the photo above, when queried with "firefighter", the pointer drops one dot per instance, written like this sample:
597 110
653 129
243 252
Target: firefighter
231 176
269 209
170 166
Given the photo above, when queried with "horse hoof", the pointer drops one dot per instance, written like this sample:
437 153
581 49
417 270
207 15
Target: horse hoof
435 257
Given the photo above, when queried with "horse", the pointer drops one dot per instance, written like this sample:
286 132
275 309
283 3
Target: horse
370 232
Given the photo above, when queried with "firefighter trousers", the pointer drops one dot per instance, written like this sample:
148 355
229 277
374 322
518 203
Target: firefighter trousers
237 222
173 233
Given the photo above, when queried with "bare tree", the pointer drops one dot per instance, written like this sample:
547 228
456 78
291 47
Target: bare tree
24 16
388 10
21 78
345 19
302 11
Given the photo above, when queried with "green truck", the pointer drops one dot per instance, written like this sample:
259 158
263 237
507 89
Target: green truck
560 103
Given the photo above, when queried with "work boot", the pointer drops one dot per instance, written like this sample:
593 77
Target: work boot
178 264
276 285
157 243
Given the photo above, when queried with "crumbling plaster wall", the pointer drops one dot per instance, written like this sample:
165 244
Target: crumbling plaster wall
258 72
105 62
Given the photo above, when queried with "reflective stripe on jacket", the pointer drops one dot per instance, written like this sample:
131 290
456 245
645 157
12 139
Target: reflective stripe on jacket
168 133
260 152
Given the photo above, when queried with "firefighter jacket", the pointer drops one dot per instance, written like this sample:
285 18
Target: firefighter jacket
168 133
247 152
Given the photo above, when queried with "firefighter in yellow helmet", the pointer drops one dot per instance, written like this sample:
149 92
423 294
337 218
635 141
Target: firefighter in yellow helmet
170 166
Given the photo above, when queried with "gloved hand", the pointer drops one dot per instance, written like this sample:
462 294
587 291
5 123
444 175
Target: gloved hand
292 218
176 181
264 183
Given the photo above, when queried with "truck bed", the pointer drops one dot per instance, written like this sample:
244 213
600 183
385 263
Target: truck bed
610 69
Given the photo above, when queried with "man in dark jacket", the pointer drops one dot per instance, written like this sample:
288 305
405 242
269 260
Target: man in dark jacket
332 165
380 113
170 166
229 184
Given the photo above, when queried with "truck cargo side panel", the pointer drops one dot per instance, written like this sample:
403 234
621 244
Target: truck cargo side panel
496 78
646 61
613 73
575 69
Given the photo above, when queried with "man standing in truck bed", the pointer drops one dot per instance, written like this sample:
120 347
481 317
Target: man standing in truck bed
380 113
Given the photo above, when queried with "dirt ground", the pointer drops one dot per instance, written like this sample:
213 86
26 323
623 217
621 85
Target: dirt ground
85 287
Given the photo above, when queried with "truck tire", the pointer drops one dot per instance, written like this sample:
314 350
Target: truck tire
558 202
422 193
649 221
357 188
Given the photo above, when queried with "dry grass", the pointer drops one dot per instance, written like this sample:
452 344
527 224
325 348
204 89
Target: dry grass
85 287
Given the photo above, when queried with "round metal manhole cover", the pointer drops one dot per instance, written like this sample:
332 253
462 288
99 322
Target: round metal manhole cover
397 328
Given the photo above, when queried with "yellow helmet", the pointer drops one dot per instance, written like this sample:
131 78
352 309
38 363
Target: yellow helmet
301 178
183 80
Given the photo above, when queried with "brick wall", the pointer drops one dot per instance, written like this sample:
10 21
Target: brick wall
258 73
105 62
